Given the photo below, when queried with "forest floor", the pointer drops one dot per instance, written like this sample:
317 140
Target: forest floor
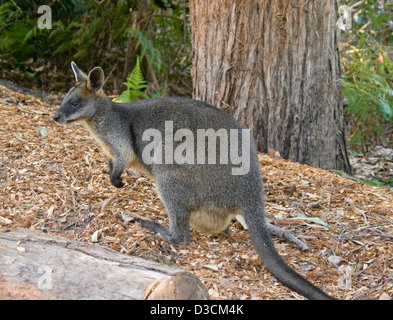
54 178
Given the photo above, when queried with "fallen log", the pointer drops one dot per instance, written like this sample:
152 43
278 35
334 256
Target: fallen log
36 265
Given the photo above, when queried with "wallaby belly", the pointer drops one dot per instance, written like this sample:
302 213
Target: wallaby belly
211 219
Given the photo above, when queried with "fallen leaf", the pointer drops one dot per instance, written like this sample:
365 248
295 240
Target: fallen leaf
311 219
43 132
211 267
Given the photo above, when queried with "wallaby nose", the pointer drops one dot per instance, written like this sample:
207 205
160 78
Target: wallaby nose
56 117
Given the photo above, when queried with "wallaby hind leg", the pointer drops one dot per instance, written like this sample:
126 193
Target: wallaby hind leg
155 227
173 194
179 231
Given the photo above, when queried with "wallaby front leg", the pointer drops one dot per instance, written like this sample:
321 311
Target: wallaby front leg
110 166
118 161
116 167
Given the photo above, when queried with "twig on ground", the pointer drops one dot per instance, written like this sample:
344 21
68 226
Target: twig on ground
288 235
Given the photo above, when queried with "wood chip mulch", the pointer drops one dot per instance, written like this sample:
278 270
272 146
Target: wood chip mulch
59 183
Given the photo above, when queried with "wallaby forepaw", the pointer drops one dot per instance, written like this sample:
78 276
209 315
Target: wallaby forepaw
117 182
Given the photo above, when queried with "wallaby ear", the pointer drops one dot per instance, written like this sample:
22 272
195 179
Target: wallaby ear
95 80
79 74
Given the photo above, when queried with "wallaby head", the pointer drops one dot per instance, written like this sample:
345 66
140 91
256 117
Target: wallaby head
80 102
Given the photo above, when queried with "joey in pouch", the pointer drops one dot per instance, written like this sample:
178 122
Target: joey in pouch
204 164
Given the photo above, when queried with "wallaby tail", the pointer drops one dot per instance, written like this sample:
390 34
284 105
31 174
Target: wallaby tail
264 245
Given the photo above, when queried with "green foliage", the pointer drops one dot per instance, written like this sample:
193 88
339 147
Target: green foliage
368 73
8 13
366 181
147 48
367 87
20 36
135 84
94 33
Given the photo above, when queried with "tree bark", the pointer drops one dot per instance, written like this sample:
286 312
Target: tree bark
34 265
275 66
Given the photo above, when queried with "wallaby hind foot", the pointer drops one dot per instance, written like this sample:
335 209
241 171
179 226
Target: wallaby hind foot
163 231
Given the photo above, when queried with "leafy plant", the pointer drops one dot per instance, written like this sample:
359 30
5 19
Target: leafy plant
367 74
105 33
135 84
367 87
147 48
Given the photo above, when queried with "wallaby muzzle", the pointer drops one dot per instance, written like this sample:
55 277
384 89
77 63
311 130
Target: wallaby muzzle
59 117
63 115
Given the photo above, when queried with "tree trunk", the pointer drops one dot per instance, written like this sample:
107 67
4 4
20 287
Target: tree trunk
274 65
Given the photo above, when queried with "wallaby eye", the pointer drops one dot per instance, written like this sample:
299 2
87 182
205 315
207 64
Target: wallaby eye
75 103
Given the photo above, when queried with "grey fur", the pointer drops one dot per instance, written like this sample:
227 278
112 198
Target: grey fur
206 196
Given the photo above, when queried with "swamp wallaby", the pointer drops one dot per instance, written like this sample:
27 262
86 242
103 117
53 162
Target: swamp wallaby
202 183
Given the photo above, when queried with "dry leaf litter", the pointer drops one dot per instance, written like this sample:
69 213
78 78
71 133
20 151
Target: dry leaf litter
54 178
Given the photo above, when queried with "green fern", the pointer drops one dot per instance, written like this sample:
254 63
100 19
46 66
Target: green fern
135 84
8 14
153 55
